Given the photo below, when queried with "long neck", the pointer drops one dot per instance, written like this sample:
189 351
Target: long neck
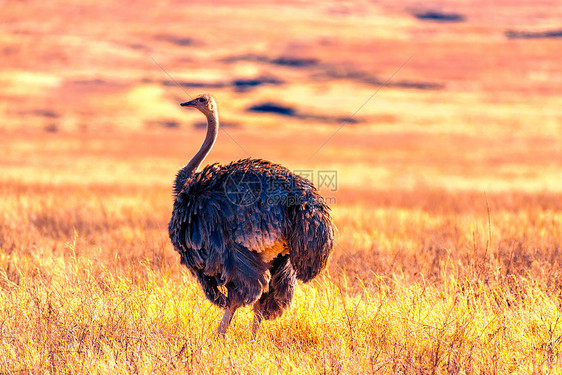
191 167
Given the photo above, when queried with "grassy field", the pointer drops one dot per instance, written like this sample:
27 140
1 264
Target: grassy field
421 281
448 199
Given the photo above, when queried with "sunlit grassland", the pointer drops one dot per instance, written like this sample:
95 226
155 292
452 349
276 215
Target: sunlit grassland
79 316
421 281
448 200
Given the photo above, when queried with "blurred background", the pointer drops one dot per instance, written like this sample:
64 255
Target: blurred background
393 95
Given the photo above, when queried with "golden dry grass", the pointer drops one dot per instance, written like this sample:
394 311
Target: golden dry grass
422 281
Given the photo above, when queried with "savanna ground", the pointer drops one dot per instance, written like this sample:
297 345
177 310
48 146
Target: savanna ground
448 197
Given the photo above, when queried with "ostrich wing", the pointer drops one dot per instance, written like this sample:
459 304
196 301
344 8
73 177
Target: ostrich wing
220 235
221 238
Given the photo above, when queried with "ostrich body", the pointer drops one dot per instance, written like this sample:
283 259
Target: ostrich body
247 230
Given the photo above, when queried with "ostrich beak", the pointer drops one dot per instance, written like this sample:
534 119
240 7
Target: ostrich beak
188 104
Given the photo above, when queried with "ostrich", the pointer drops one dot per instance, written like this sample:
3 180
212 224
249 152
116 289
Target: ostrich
247 230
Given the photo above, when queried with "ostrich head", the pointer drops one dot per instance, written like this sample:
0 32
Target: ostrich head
204 103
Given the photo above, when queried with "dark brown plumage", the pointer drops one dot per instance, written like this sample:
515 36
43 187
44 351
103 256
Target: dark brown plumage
251 228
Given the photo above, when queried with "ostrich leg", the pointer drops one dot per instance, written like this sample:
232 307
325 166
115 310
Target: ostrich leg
225 322
256 324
